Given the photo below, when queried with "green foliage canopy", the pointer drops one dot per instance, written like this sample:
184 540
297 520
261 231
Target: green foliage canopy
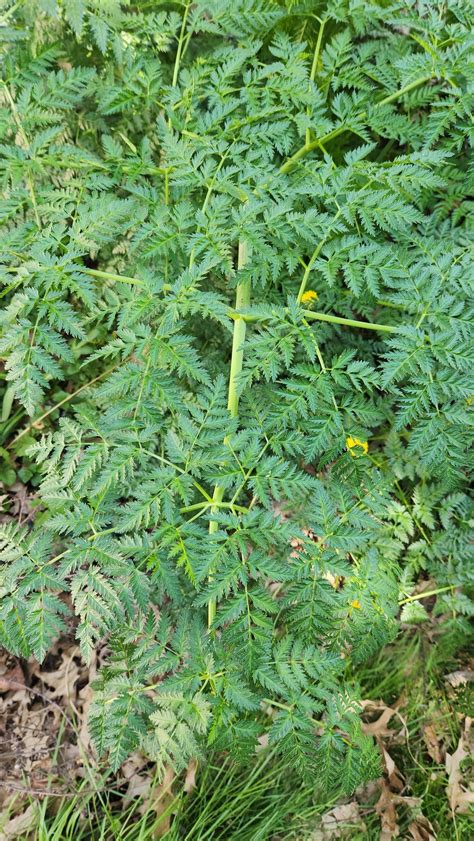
176 178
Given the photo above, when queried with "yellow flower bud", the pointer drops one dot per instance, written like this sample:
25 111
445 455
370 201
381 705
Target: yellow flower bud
309 296
353 443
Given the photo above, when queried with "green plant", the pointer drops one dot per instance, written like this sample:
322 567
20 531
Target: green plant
255 803
176 179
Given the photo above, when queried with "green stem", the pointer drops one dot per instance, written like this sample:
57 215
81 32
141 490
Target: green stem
118 278
196 484
320 316
349 322
406 89
314 68
426 594
277 704
180 46
35 421
212 503
242 300
198 506
315 256
315 144
308 147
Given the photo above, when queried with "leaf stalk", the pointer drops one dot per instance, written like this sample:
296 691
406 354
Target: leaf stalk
242 300
331 135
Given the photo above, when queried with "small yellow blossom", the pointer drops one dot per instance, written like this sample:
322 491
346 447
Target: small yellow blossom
353 443
356 603
309 296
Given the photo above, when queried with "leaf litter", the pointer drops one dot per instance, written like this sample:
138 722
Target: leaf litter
45 744
387 795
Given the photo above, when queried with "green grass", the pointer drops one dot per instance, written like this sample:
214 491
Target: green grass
415 667
266 803
229 802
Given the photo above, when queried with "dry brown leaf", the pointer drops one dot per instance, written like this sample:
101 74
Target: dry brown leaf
368 793
21 502
432 742
262 742
391 787
459 797
190 778
138 786
385 808
19 825
421 829
379 727
63 679
11 678
161 800
158 798
340 822
394 777
41 751
460 678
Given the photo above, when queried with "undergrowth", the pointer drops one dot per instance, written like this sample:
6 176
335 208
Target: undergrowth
263 802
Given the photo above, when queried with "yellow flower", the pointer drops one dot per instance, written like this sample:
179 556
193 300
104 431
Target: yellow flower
309 296
353 443
356 603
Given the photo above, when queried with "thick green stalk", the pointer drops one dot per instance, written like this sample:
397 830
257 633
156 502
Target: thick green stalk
242 301
118 278
241 318
349 322
319 316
